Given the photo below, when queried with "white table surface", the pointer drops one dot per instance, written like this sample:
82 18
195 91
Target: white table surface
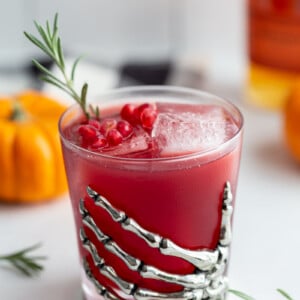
266 244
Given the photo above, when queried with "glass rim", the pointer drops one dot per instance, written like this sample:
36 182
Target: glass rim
156 88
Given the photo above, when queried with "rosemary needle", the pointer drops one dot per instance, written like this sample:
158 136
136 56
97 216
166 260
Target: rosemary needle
244 296
24 262
284 294
241 295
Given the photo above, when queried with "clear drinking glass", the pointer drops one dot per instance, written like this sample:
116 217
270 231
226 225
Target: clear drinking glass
157 226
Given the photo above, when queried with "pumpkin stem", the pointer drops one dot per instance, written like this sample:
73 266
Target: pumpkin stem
18 113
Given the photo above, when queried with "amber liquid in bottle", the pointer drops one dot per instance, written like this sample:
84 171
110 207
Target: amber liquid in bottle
274 51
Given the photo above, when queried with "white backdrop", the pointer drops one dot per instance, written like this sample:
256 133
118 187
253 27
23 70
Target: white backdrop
212 31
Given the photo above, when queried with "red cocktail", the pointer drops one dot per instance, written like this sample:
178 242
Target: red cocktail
167 176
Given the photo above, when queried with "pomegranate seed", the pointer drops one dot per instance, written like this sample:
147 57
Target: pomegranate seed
144 118
125 128
128 113
107 125
148 117
114 137
94 123
146 105
88 133
100 143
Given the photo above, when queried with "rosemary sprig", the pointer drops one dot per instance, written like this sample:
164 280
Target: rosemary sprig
50 44
26 264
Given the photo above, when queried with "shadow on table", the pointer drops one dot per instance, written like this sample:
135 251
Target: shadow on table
272 154
66 289
23 207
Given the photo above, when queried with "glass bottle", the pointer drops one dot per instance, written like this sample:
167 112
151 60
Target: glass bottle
273 49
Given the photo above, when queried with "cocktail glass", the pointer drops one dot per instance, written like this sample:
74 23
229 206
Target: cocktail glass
156 227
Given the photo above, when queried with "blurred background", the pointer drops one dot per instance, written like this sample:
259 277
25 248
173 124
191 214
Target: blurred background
205 37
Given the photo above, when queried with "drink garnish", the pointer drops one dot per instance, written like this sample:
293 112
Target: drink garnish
26 264
50 43
110 132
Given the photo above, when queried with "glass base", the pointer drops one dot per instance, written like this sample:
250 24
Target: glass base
89 290
91 293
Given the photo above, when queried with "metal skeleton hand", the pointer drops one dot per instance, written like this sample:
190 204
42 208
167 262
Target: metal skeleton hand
208 280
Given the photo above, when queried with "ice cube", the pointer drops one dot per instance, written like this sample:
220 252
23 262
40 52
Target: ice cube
179 133
136 146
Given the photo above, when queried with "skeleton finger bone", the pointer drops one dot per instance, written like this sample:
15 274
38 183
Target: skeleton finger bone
217 290
227 209
220 266
104 269
99 287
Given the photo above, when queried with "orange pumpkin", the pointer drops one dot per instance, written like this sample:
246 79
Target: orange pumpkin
31 163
